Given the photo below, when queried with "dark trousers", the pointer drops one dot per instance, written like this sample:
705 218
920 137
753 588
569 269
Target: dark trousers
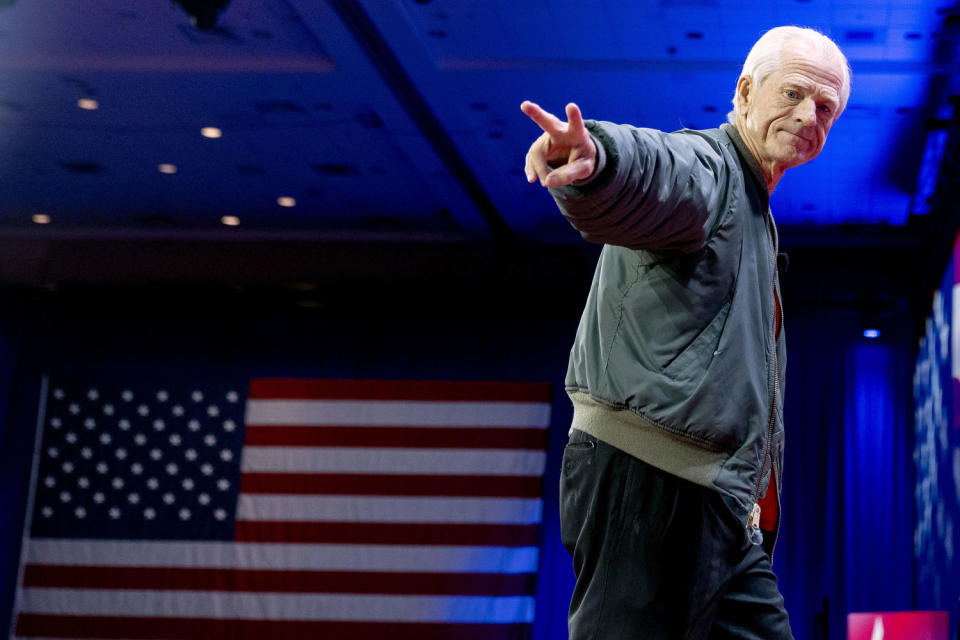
658 557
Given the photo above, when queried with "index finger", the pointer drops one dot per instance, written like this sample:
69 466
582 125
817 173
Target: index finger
574 117
544 119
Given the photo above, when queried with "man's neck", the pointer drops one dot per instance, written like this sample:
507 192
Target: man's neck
771 171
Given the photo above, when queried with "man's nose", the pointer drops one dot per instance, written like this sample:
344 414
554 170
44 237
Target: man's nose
806 112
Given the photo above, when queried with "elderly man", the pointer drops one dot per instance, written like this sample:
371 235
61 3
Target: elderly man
669 497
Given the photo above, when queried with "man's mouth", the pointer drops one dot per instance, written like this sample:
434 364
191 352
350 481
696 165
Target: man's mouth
807 143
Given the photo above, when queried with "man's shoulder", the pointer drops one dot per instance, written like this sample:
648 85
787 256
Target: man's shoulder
718 135
707 142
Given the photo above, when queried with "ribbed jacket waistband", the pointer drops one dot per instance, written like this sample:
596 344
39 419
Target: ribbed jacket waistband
640 438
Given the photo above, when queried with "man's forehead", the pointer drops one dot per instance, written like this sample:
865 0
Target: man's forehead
826 65
808 68
826 85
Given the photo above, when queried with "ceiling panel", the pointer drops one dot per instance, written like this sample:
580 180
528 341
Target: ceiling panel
402 116
303 114
677 67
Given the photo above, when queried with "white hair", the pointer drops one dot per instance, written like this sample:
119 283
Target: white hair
766 56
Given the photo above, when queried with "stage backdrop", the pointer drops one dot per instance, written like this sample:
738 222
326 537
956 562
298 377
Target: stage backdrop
846 498
937 448
306 508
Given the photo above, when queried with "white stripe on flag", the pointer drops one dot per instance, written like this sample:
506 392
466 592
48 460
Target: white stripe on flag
390 509
487 462
279 606
416 413
309 557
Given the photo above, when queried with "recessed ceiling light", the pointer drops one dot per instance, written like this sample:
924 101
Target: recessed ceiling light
230 221
41 218
211 132
168 169
286 201
88 103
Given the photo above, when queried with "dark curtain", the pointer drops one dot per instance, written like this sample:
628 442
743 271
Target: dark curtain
19 395
847 538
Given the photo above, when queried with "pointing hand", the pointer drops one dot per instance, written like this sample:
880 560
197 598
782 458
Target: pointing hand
564 152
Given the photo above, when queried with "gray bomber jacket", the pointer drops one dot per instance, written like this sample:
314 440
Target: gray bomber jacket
675 360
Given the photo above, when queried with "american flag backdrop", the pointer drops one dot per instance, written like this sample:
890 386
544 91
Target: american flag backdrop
285 509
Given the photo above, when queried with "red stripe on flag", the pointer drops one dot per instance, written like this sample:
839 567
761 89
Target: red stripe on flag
435 390
497 535
405 437
345 484
143 628
392 583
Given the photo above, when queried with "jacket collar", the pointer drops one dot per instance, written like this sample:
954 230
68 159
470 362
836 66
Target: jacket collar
747 157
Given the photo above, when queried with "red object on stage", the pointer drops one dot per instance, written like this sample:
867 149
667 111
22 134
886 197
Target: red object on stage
898 625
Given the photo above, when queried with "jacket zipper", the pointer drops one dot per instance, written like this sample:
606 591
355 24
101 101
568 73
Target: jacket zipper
773 470
753 522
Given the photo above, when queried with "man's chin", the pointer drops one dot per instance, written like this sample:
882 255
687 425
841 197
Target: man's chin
808 155
798 155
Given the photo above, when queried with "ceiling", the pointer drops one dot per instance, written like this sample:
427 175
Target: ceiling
399 120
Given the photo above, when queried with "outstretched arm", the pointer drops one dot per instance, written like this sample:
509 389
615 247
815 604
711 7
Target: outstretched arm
647 189
564 152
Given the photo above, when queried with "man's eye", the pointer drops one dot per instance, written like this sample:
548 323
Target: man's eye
790 93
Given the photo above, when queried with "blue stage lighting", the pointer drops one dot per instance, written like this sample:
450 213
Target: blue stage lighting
929 170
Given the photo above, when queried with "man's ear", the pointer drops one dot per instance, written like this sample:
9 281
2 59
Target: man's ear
744 94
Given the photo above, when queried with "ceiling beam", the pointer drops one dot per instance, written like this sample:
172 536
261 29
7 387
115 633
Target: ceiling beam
361 27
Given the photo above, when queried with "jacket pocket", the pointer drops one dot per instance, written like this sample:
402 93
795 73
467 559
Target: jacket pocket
693 360
577 485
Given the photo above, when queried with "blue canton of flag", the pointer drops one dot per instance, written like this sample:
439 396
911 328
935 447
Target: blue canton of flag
140 462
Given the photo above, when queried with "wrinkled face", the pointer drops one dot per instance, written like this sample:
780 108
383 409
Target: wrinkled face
788 116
